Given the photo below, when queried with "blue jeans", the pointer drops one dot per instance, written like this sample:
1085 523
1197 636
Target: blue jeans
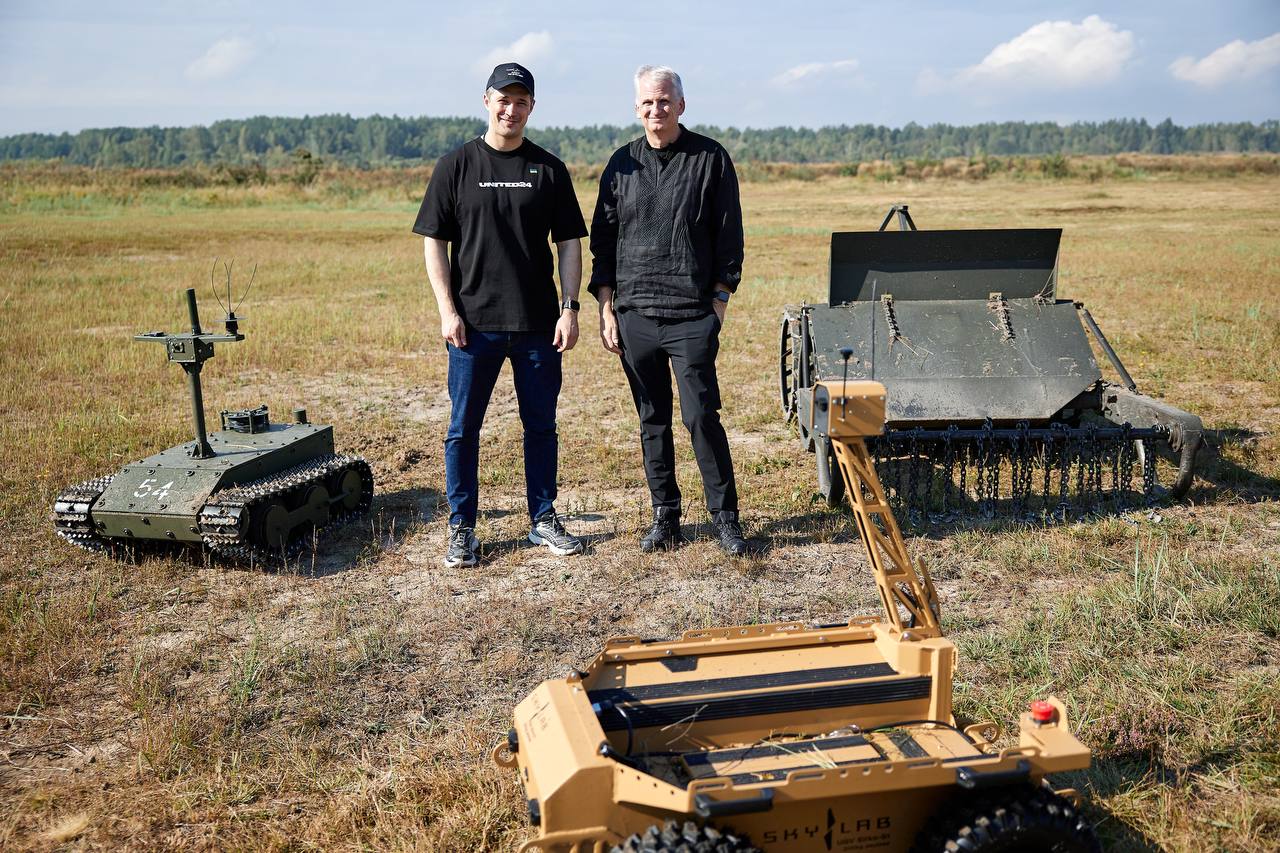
473 371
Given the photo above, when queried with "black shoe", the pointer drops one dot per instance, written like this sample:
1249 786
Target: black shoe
461 547
665 533
729 531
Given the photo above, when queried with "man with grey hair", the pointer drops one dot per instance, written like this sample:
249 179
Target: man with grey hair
667 243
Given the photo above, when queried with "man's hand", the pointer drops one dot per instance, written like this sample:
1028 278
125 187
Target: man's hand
609 335
566 331
453 330
720 308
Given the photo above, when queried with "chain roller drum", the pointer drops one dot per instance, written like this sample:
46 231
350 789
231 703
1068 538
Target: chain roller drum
1148 474
1057 472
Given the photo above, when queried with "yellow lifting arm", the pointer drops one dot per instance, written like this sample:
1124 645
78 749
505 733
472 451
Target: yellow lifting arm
851 411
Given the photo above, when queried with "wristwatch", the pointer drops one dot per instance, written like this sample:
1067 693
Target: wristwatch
722 295
571 304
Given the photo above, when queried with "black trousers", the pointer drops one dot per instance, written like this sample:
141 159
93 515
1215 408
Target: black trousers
652 350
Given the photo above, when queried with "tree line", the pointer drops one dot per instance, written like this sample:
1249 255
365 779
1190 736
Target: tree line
392 141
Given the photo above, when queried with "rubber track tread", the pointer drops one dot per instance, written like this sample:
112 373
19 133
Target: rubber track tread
71 518
225 520
1018 818
689 836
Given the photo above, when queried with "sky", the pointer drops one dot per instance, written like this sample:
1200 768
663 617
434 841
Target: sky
66 66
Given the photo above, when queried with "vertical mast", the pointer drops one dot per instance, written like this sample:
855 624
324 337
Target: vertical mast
201 449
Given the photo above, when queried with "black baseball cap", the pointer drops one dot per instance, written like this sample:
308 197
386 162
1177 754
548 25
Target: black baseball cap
509 74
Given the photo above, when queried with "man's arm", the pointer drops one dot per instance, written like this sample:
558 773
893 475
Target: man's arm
436 254
604 235
569 261
604 263
727 234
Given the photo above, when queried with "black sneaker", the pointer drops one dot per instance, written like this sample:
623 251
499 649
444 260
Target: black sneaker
665 532
547 530
463 547
729 531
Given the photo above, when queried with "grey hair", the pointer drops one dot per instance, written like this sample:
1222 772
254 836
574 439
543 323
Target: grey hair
660 74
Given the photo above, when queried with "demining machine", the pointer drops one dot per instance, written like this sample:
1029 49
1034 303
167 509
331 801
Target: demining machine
997 404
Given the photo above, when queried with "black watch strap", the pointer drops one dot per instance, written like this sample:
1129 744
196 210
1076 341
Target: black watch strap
571 304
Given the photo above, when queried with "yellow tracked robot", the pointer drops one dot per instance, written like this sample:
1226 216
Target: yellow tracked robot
794 737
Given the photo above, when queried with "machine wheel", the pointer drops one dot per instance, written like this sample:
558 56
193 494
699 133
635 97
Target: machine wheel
786 370
318 505
275 526
830 481
351 490
672 836
1010 821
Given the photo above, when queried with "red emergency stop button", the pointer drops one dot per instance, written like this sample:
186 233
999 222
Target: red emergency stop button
1043 712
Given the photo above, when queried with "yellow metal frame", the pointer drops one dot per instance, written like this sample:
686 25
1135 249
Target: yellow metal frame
855 411
589 794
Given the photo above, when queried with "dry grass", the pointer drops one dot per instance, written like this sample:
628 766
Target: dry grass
350 703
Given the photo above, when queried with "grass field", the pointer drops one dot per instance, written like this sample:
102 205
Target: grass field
350 703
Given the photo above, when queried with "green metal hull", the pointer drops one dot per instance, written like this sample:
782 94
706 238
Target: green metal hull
160 497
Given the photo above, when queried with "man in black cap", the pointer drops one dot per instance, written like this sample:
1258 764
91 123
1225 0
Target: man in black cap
495 200
667 243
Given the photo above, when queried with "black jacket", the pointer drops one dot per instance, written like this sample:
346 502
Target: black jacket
664 235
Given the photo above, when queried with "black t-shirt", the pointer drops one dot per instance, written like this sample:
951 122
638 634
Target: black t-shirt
496 209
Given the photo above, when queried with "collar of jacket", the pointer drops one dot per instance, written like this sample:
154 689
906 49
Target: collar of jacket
681 143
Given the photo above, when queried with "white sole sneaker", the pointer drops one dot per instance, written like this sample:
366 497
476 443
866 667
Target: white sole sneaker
558 550
472 557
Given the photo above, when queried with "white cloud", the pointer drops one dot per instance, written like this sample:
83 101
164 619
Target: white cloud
529 49
813 71
1237 60
223 58
1049 55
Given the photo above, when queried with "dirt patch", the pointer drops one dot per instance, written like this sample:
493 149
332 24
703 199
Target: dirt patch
1087 208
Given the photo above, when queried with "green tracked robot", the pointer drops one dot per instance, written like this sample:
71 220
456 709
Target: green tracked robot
253 491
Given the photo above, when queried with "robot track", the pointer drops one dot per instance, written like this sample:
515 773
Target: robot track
270 520
71 514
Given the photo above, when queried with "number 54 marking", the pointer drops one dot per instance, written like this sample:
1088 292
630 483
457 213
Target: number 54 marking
147 488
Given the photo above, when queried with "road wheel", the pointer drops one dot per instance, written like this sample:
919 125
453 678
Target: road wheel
1015 820
787 378
672 836
830 481
318 505
351 489
276 526
352 486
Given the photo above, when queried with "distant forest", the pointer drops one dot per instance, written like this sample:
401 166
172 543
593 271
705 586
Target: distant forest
392 141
